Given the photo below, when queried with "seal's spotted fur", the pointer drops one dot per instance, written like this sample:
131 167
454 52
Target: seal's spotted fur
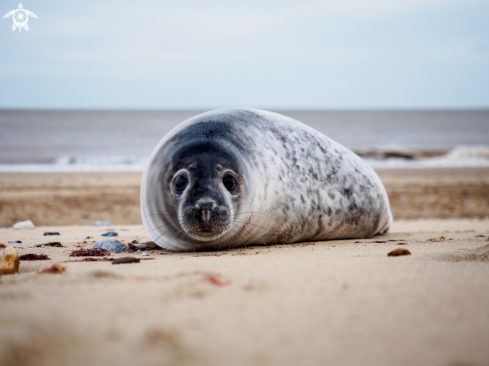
295 184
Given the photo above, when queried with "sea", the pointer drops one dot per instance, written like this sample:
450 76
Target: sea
117 140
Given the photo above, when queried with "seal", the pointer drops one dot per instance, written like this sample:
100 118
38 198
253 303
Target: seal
237 177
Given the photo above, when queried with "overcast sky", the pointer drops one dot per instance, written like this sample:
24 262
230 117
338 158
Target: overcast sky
348 54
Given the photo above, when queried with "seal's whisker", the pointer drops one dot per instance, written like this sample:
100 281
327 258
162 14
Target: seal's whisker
172 237
159 214
239 237
156 228
250 212
249 223
158 238
164 225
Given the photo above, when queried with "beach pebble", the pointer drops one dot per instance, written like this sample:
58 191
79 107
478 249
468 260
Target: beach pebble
101 223
55 268
9 261
110 233
2 246
480 236
51 244
51 233
399 251
21 225
112 245
145 254
15 242
124 260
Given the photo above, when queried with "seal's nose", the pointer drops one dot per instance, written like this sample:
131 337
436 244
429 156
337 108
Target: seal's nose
206 207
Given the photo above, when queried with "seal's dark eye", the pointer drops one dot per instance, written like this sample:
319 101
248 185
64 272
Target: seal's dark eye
181 181
229 182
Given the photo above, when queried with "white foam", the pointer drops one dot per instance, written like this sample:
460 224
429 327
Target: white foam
459 157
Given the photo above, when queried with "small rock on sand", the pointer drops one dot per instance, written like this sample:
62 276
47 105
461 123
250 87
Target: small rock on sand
399 251
50 244
9 261
101 223
22 225
2 246
110 233
55 268
47 233
124 260
112 245
15 242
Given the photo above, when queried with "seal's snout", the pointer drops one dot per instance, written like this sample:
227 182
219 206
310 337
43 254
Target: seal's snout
206 207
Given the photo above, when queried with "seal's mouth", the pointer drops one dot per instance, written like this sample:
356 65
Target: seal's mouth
205 234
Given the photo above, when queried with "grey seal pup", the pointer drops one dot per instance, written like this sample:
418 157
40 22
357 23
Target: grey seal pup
236 177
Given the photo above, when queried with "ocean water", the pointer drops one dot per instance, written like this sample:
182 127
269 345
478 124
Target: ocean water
65 140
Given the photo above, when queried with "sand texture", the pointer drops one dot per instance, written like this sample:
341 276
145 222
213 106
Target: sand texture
328 303
80 198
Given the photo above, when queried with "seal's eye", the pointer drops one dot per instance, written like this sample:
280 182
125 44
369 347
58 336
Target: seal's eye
229 182
180 183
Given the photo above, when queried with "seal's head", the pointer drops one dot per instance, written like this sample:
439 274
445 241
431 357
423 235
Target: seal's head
194 188
203 184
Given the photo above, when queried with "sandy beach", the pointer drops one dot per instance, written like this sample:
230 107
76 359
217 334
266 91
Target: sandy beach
326 303
80 198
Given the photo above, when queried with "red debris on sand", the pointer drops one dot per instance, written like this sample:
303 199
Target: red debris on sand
57 245
132 247
125 260
90 260
357 242
34 257
98 252
402 243
378 242
308 244
142 279
216 280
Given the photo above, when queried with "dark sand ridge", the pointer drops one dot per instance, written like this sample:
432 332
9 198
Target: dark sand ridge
79 198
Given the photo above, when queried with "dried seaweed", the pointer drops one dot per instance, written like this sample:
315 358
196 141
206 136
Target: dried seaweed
34 257
98 252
